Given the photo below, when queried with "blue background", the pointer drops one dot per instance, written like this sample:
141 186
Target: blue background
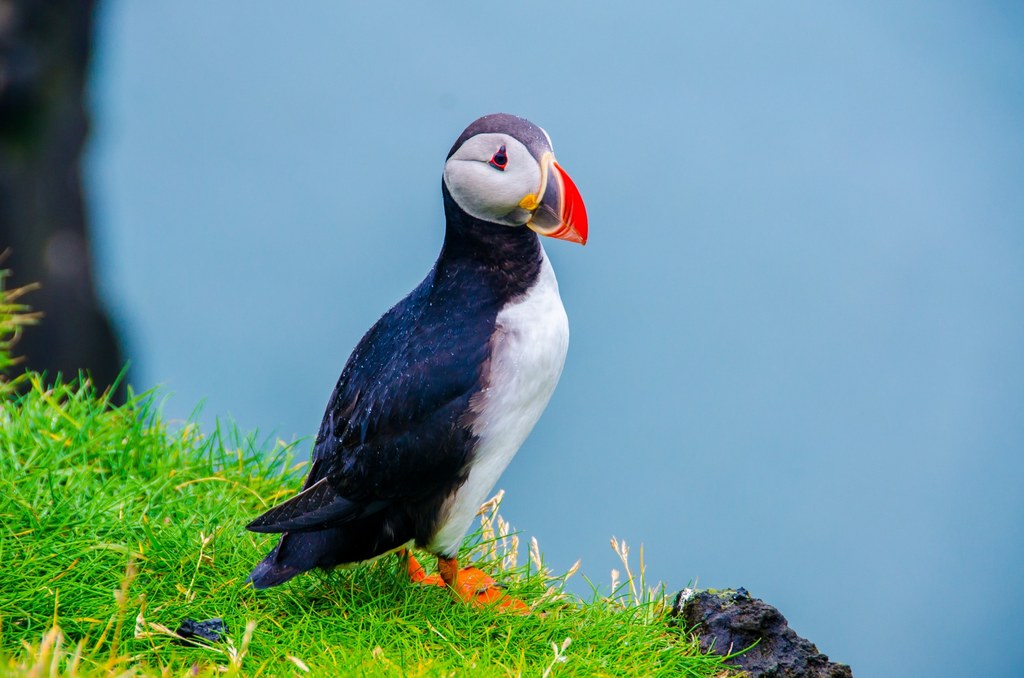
797 360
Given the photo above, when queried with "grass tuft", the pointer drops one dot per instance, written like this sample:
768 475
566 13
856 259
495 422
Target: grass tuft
115 527
14 316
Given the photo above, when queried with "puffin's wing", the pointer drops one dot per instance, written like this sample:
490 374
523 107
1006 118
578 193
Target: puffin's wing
394 426
312 509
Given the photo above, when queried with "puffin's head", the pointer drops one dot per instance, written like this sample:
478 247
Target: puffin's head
502 170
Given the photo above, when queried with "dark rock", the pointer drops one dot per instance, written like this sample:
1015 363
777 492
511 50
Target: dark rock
730 621
44 124
211 630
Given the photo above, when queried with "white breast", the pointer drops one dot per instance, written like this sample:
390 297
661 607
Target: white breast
527 355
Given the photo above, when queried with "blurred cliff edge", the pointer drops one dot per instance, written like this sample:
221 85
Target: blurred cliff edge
44 58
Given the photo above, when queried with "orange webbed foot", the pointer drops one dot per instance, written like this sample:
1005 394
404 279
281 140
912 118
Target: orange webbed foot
472 585
479 589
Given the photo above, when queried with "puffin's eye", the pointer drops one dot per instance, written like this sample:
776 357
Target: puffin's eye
499 159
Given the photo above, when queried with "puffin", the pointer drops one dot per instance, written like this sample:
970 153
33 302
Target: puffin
441 392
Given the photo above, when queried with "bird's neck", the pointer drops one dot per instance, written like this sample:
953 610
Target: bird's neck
507 258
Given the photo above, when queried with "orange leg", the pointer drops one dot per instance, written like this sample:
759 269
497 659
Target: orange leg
470 584
417 575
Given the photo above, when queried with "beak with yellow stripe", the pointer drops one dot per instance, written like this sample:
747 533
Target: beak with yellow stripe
560 213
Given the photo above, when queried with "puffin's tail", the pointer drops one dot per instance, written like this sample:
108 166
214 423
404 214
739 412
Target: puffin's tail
306 542
294 554
353 542
271 573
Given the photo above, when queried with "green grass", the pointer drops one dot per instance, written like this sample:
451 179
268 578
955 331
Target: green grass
115 526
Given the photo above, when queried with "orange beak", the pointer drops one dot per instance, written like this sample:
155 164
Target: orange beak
560 213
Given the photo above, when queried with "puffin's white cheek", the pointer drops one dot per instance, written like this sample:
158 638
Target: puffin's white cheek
487 193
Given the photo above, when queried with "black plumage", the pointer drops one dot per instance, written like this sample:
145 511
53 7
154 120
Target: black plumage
395 439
